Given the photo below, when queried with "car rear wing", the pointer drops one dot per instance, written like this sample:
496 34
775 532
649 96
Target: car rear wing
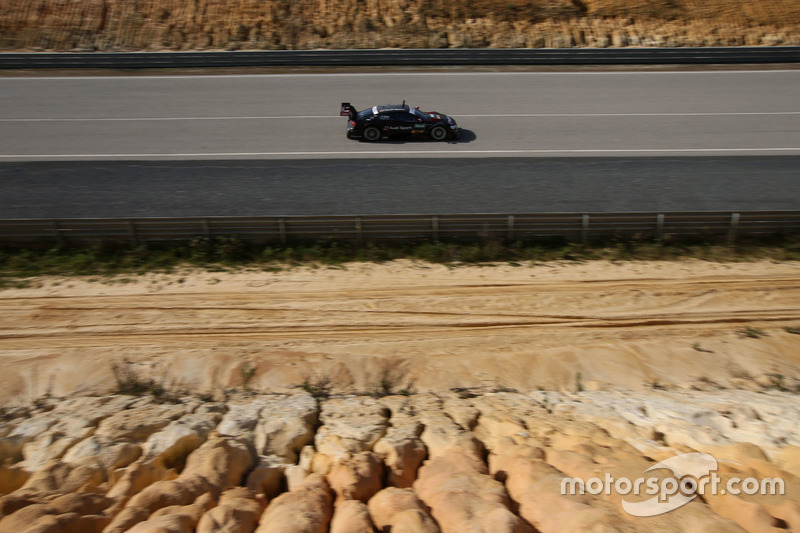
348 110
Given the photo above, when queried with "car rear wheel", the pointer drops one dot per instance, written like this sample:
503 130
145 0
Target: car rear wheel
372 134
438 133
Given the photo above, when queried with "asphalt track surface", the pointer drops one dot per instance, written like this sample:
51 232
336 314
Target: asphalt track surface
180 145
396 186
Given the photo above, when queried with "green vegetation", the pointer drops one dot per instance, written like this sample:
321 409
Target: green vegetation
247 374
18 265
389 381
319 387
794 330
699 348
751 332
131 382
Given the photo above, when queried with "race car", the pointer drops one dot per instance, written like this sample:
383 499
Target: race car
386 121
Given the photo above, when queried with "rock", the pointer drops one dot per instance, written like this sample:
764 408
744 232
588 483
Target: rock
399 509
12 444
788 458
55 441
83 503
136 477
108 455
351 516
463 497
61 478
241 418
296 474
535 486
79 512
176 519
216 465
286 425
176 492
750 516
402 451
11 503
350 425
12 477
357 477
414 521
178 439
221 461
42 518
307 509
267 478
194 510
507 453
503 415
178 523
138 423
462 412
238 512
441 433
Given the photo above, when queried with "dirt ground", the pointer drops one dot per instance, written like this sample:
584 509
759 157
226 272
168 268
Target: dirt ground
555 326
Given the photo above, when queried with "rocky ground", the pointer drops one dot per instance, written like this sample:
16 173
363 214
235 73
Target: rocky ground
460 461
486 386
114 25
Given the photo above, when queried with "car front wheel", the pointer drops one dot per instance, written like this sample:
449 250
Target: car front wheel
372 134
438 133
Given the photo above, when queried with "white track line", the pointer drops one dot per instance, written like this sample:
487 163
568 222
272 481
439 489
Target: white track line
496 115
409 152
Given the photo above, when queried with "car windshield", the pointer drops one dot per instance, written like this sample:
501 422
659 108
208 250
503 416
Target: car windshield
419 113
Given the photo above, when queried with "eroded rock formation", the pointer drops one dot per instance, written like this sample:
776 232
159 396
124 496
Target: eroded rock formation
449 462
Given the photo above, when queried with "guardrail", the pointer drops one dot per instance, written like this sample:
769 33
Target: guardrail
403 57
581 227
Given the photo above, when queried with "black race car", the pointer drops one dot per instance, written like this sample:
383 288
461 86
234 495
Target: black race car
401 120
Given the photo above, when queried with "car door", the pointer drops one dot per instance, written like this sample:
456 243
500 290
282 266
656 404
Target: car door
403 122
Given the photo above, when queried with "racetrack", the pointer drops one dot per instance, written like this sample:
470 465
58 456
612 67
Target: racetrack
295 116
273 144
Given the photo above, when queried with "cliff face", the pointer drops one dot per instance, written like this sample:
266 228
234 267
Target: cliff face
112 25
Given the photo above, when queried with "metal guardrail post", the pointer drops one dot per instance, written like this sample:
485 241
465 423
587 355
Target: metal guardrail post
132 231
358 230
57 233
282 230
585 228
435 228
734 228
660 226
510 235
206 228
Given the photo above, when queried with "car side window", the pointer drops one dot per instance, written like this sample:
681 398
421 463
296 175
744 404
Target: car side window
402 116
384 116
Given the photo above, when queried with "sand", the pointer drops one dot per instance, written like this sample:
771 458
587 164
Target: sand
552 326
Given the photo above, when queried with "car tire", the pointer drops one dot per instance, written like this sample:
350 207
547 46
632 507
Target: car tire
372 134
438 133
